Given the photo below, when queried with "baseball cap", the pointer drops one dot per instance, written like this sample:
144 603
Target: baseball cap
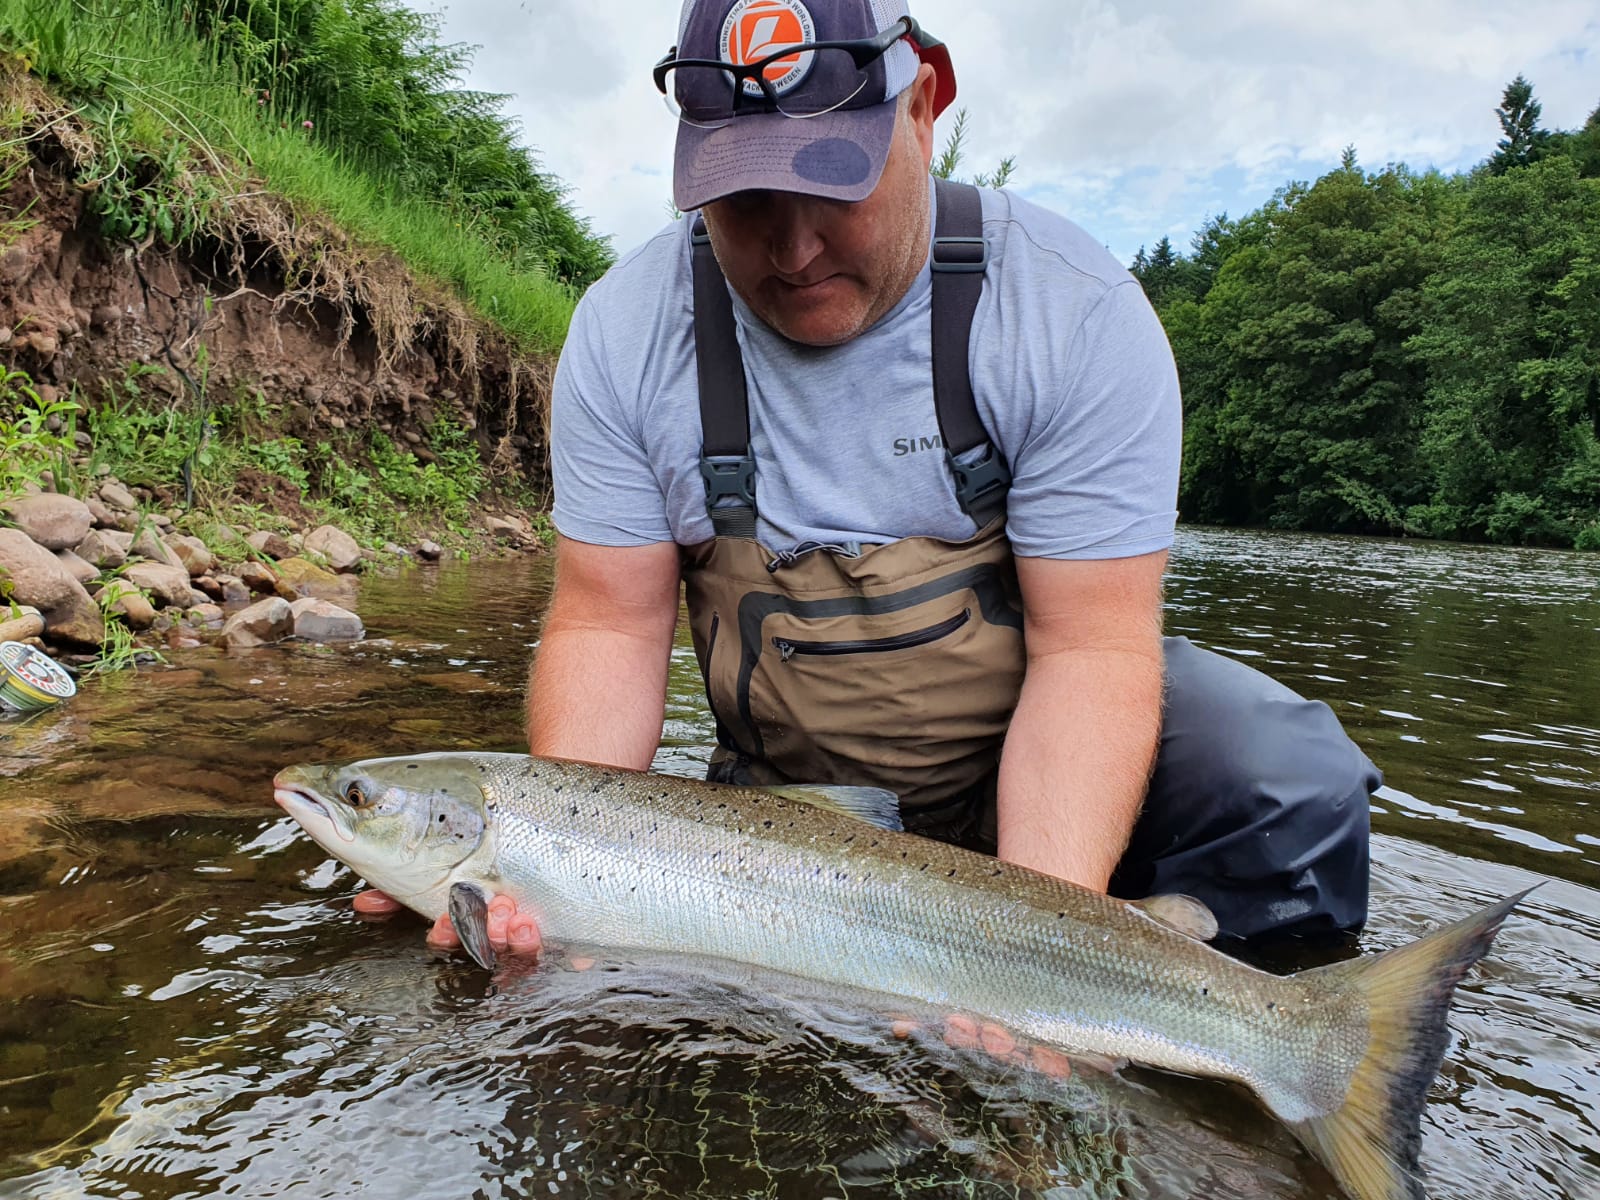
816 123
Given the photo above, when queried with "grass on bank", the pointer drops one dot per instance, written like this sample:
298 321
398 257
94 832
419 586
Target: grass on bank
178 145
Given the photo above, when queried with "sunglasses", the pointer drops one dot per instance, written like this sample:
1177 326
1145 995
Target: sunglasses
711 92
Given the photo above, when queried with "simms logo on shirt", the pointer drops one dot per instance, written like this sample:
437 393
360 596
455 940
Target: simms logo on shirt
915 445
758 28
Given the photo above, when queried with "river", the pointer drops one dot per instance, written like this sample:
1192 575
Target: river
189 1006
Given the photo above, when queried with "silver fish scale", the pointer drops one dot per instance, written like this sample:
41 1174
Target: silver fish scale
647 861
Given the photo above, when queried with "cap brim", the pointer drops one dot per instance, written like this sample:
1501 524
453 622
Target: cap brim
838 155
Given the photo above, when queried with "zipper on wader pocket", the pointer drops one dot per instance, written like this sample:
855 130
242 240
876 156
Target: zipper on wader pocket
787 648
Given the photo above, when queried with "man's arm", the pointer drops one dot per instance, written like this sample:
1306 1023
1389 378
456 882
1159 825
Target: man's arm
1083 739
598 686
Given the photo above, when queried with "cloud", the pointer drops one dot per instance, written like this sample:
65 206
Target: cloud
1136 121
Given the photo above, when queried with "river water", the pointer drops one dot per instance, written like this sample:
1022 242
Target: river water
189 1006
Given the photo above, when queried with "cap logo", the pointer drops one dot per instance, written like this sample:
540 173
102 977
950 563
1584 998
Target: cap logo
756 29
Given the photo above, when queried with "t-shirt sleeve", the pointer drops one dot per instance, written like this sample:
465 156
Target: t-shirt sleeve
1096 475
606 492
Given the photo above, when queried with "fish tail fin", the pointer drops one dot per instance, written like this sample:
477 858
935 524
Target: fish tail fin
1371 1142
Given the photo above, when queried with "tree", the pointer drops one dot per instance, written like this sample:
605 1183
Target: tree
1305 408
948 160
1524 142
1512 342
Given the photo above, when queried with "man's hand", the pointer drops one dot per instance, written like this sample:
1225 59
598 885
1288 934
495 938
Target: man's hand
509 931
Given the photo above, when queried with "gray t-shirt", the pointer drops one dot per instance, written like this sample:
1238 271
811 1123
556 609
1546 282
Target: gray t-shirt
1071 369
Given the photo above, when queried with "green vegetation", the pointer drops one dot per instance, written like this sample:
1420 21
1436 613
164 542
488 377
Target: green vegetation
348 111
1400 353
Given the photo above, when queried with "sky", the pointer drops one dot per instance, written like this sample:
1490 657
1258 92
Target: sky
1137 121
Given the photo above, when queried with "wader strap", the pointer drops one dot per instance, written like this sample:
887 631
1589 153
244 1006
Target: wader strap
960 256
727 467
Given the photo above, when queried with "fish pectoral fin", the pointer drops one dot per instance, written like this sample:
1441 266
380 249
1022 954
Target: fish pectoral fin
1184 913
469 914
875 806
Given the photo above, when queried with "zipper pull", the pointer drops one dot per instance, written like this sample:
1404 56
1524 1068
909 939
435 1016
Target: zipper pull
785 649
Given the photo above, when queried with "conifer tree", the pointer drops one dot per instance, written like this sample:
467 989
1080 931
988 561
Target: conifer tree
1524 142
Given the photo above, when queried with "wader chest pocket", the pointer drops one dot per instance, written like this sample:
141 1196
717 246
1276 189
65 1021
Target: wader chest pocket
787 648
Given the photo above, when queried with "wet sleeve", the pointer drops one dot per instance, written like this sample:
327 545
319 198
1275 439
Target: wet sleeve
1096 474
606 490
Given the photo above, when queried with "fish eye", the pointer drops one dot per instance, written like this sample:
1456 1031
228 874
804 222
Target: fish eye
354 796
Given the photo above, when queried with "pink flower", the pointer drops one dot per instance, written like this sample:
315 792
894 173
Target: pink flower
305 124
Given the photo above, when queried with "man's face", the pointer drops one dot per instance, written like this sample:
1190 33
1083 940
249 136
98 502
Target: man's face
819 271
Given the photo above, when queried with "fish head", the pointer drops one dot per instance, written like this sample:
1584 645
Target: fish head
405 825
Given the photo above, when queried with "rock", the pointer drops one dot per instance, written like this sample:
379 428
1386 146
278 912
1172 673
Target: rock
147 543
395 551
121 539
429 551
162 522
192 553
319 621
102 550
117 496
104 316
502 529
102 516
234 591
85 573
258 577
129 603
28 623
210 586
52 521
341 550
299 577
207 616
169 584
38 579
264 622
273 545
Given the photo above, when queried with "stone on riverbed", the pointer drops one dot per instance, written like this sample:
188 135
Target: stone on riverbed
166 582
37 578
148 544
85 573
258 577
102 550
298 577
192 553
128 603
265 621
273 545
341 550
52 521
320 621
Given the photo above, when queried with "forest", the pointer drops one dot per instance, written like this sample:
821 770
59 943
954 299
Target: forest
1400 352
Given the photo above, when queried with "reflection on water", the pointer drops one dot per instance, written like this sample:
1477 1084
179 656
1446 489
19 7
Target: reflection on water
188 1006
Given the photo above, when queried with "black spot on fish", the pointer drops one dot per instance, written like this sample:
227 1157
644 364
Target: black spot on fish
1205 991
951 873
1271 1007
573 811
766 824
413 767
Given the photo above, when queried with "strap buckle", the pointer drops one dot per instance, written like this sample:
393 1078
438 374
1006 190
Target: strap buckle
979 478
699 235
961 255
728 477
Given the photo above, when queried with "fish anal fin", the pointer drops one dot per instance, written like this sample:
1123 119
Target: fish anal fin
1184 913
875 806
469 914
1371 1142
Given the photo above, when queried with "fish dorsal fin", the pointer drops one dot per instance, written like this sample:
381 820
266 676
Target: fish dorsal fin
875 806
1183 913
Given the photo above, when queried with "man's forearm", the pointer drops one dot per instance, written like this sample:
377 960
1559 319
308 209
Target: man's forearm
1077 760
597 695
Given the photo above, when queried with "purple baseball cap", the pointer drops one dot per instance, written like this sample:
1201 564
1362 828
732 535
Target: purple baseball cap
838 152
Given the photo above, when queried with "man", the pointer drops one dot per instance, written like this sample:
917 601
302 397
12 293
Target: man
952 590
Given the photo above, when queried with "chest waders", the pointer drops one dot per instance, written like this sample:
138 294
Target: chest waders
895 665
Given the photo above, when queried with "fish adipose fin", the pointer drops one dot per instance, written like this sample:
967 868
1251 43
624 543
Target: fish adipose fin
1184 913
469 914
1371 1143
875 806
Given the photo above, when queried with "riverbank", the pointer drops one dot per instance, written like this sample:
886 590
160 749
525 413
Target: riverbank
207 363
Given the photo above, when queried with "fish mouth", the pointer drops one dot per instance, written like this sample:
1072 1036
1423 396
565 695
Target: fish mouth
302 802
